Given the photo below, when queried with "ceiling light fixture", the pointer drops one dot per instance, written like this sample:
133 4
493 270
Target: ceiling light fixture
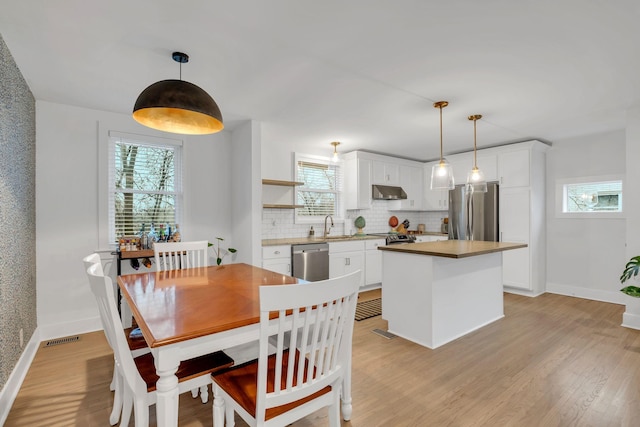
475 179
178 106
441 173
335 157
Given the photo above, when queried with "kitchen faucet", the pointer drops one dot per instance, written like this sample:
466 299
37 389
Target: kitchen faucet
326 232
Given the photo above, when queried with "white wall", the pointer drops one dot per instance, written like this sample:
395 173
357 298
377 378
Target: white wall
585 256
67 205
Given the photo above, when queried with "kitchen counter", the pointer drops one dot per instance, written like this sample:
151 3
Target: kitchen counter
436 292
320 239
453 248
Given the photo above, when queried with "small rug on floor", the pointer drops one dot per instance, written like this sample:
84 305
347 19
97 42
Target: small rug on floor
367 309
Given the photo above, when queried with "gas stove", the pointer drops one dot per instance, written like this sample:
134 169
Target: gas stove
394 238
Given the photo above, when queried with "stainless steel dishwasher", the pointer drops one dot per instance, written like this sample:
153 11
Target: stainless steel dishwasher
310 262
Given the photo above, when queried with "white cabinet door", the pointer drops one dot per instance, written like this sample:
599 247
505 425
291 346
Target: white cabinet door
373 262
411 180
488 164
357 177
514 228
279 265
513 168
277 258
461 165
385 173
346 262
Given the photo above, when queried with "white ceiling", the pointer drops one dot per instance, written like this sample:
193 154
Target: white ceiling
363 72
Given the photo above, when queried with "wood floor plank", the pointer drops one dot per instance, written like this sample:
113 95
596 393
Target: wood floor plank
552 361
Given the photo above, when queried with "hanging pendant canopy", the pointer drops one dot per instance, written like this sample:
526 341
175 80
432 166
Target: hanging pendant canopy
476 181
178 106
441 173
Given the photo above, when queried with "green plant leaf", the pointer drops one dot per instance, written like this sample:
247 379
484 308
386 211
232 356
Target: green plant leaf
218 261
220 238
631 269
632 291
210 244
233 251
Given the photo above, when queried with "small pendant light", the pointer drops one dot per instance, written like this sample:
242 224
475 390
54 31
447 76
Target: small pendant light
441 173
178 106
475 179
335 157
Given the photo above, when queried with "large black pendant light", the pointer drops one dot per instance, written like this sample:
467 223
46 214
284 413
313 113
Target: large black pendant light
178 106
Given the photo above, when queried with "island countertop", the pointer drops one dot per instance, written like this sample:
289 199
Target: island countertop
453 248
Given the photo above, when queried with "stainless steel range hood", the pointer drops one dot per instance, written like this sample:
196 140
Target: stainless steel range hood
387 192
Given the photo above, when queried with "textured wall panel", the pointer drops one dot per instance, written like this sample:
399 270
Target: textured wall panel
17 212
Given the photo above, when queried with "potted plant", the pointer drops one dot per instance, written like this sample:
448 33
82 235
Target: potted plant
221 252
631 270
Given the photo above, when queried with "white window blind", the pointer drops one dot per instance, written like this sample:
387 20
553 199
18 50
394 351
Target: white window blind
145 185
322 190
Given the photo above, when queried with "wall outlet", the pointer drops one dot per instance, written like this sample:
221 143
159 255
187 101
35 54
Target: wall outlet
21 337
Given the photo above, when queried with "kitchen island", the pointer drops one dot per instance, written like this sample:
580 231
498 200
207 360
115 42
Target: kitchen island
435 292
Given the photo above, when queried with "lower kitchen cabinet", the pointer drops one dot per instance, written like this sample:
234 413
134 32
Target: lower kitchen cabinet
373 262
277 258
346 257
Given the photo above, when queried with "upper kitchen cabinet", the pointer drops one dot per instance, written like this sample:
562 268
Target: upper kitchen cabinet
513 168
411 181
357 181
461 164
385 173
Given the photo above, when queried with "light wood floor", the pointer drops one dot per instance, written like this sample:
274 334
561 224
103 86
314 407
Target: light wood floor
552 361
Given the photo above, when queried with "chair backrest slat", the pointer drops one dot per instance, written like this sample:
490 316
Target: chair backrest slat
181 255
313 339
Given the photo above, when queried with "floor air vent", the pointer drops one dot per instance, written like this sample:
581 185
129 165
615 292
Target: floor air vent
388 335
62 341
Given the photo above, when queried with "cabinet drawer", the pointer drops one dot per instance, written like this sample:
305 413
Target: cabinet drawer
373 244
335 247
279 251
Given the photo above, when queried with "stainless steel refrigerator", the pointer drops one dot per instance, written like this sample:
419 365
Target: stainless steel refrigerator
474 215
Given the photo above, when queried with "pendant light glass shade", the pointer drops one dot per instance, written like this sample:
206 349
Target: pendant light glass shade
335 158
178 106
475 178
442 173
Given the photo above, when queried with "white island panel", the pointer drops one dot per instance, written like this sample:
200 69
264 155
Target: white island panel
433 300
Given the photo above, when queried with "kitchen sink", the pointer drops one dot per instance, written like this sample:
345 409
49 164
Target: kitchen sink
343 237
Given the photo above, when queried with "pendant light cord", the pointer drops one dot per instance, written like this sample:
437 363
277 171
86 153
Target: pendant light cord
441 156
475 160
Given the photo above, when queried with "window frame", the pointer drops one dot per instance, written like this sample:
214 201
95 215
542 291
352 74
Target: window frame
339 211
560 197
106 229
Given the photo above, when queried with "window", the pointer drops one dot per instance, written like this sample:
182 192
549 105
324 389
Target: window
596 196
321 193
144 185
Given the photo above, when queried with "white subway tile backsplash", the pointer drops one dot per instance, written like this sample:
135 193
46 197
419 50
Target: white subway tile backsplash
279 223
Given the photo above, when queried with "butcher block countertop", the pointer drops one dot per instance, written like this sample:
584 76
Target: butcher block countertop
453 248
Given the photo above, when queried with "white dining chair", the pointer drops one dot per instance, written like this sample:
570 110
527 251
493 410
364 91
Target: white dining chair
181 255
135 342
139 373
278 389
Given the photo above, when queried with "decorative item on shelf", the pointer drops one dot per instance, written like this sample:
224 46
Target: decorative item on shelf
178 106
221 252
441 173
360 223
475 179
335 156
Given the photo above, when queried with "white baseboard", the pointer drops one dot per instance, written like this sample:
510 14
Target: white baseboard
12 386
630 320
586 293
522 292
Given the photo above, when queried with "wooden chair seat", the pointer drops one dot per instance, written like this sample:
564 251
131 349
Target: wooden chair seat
135 340
188 369
241 381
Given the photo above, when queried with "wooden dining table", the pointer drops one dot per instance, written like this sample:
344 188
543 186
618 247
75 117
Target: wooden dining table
188 313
